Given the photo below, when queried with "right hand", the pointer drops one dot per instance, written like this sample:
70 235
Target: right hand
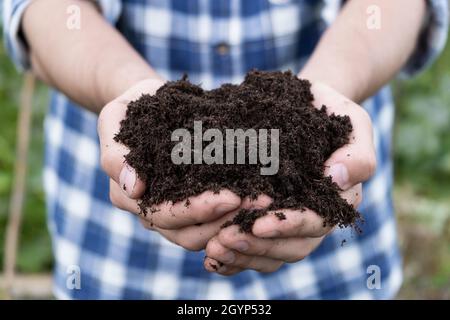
188 226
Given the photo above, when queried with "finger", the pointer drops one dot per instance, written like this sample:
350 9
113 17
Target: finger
213 265
208 206
356 161
283 249
298 223
194 237
201 209
261 202
120 200
230 258
113 153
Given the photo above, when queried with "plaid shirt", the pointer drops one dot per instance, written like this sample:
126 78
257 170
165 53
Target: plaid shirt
214 41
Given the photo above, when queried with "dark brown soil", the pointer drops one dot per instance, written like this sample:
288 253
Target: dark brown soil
265 100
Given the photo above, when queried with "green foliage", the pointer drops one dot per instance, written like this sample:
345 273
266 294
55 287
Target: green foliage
422 135
422 166
35 249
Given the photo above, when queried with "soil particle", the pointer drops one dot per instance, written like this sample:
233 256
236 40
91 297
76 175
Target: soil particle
280 215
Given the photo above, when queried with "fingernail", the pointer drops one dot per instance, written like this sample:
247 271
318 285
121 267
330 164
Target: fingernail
127 179
241 245
228 257
339 174
223 208
269 234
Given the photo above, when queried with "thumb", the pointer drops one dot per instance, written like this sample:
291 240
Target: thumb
349 166
130 183
356 161
112 153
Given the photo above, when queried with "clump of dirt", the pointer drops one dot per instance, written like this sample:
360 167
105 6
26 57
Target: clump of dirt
264 100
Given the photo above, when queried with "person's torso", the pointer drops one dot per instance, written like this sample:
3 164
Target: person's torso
213 41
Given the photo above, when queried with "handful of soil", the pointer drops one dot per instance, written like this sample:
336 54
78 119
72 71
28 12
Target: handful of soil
265 100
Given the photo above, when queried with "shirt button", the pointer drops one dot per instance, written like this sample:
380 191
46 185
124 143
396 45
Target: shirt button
222 48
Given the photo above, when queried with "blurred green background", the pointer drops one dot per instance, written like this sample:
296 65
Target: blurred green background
422 164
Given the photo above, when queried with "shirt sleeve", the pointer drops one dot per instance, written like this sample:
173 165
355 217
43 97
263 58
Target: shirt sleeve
432 38
15 44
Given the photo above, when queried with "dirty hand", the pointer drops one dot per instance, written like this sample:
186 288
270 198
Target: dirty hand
175 221
274 242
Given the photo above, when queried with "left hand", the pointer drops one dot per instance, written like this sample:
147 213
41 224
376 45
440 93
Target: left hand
274 242
187 226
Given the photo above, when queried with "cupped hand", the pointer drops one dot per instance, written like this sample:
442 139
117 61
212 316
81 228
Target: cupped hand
274 242
188 226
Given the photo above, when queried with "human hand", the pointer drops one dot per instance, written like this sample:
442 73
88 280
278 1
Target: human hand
175 221
274 242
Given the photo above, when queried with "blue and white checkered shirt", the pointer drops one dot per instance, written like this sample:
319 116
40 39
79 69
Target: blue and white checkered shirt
214 41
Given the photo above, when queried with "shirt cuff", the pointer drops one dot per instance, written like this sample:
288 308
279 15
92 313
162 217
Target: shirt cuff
14 44
12 16
432 38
